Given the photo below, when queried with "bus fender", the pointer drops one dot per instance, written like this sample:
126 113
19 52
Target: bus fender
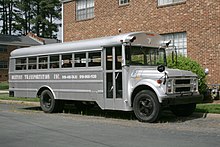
147 84
44 87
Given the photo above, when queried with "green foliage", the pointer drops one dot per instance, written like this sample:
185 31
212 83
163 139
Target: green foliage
185 63
36 16
3 85
208 108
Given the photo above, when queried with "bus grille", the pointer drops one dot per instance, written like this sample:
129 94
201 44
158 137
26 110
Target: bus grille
182 81
182 85
182 89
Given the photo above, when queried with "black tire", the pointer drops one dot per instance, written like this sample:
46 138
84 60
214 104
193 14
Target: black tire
146 106
49 104
183 110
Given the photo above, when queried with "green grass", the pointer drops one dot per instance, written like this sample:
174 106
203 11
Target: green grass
4 85
6 97
208 108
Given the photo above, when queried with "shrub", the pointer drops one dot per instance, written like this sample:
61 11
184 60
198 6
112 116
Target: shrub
185 63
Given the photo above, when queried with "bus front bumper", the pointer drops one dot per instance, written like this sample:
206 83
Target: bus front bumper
185 99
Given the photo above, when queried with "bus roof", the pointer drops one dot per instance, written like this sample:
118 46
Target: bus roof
142 38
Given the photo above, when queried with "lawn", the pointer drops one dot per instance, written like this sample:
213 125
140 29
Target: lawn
208 108
6 97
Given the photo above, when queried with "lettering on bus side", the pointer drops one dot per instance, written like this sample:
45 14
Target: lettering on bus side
55 77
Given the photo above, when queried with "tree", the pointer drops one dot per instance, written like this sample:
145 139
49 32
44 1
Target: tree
23 16
37 16
45 14
6 7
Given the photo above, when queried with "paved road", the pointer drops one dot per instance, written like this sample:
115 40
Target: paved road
23 125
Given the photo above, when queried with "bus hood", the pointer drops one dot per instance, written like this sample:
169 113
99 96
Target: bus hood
179 73
152 72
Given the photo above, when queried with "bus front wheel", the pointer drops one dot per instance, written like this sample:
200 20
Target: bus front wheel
48 103
146 106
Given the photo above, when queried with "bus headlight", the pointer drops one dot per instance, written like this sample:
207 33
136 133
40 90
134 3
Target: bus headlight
194 84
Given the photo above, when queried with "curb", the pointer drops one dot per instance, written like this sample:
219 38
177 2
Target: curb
205 115
4 92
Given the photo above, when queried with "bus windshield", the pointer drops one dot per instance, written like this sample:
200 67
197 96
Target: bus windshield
147 56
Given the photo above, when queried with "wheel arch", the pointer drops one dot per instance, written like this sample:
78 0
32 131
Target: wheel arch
139 89
45 87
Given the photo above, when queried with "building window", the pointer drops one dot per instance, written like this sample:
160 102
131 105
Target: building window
84 9
124 2
3 64
167 2
179 41
3 48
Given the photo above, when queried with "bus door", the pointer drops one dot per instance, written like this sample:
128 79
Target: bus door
113 78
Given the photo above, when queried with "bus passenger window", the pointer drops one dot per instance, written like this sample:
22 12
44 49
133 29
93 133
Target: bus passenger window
21 64
43 62
67 61
54 61
94 59
32 63
80 60
109 59
118 58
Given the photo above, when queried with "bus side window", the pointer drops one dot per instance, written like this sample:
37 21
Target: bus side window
67 61
43 62
94 59
32 63
54 61
118 58
21 64
80 60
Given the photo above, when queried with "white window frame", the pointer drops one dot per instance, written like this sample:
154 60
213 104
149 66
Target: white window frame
85 9
178 41
168 2
123 2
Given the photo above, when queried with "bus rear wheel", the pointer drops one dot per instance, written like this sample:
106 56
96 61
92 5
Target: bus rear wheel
49 104
146 106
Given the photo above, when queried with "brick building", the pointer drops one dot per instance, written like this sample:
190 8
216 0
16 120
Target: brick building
192 25
9 43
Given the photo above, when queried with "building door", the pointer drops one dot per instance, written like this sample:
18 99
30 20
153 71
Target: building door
113 77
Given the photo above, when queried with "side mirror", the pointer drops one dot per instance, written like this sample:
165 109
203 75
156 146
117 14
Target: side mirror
161 68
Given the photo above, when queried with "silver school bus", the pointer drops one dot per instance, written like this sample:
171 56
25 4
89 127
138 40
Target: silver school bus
124 72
